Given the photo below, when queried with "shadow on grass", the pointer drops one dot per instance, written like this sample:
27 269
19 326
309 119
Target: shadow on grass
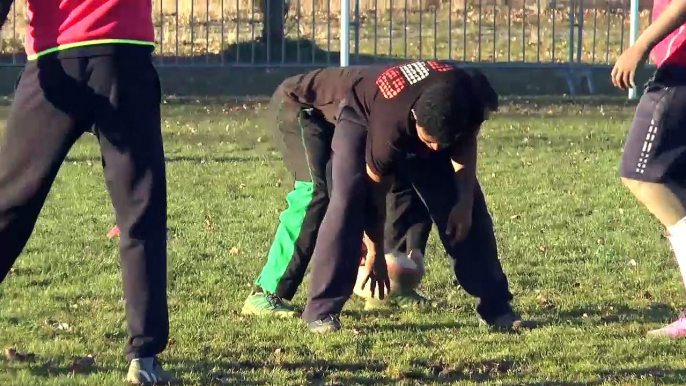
189 159
611 314
229 373
59 366
656 375
661 376
287 52
415 327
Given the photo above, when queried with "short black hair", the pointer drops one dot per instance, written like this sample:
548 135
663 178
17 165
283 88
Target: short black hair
450 108
483 88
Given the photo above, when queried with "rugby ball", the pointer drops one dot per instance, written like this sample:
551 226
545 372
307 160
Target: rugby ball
405 273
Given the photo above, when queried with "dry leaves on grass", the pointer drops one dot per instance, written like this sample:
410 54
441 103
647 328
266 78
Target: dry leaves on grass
545 302
11 354
57 325
209 223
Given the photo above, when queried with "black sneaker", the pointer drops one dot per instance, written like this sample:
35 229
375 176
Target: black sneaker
329 324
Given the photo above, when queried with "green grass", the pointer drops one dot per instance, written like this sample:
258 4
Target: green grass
567 233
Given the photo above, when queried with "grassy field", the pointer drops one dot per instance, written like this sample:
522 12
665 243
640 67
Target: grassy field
228 32
582 257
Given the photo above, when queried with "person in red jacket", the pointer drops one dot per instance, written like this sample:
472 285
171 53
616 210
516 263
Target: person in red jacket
653 163
90 69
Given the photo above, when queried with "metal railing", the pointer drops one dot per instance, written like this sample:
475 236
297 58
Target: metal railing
307 32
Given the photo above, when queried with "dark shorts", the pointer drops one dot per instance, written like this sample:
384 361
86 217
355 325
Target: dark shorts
655 149
303 136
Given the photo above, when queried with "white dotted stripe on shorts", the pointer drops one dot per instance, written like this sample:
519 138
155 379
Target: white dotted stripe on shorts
647 146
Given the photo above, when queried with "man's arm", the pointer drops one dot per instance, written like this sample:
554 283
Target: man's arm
464 163
671 19
5 6
375 228
625 68
375 265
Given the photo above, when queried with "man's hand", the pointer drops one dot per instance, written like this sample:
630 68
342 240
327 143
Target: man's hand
376 273
624 71
375 263
459 222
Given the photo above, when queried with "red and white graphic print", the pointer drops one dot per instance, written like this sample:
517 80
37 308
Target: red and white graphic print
395 79
440 67
391 82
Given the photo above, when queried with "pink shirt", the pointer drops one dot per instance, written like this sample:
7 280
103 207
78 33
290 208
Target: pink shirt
672 49
56 25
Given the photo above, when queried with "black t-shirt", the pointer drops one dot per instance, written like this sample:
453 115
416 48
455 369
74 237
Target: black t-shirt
384 99
322 89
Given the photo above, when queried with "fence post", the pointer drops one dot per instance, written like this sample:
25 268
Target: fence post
580 32
572 16
633 36
345 33
356 23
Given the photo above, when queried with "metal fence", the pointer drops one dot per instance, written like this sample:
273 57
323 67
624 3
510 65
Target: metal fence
271 33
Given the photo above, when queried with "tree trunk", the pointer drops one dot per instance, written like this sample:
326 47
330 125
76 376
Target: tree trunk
274 12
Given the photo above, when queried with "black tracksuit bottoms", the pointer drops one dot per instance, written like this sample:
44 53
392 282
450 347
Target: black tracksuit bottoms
117 97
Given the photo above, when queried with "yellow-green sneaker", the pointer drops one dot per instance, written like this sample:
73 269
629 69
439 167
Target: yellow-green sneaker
268 304
148 371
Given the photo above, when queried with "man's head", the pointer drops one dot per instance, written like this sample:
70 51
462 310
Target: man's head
453 108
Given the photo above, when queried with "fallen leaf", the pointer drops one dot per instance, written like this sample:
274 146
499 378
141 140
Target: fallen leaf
209 224
63 327
542 248
13 355
10 353
234 251
544 302
57 325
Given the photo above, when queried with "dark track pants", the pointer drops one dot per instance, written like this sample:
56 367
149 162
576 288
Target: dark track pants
118 97
408 223
338 250
336 260
305 141
417 199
